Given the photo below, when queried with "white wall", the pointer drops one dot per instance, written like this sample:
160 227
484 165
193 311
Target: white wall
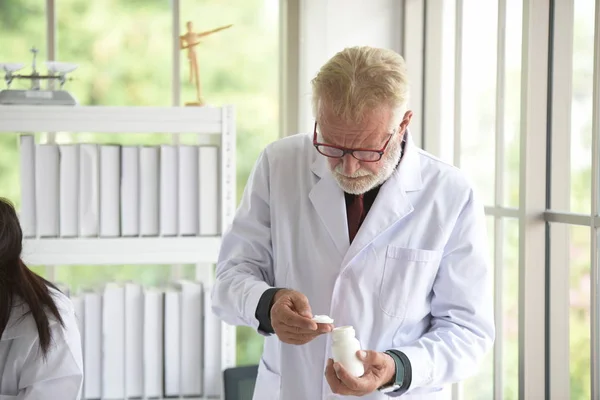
328 26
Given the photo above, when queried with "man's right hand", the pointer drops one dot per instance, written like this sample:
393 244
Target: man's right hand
291 318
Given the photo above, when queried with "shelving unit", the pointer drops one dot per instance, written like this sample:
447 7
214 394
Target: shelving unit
216 123
96 119
111 251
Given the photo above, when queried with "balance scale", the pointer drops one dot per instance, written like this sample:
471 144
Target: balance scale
57 71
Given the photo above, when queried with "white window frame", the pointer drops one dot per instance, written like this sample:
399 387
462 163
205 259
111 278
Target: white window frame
412 49
543 318
289 67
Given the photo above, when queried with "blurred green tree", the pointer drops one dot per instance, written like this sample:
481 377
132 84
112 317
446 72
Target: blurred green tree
125 57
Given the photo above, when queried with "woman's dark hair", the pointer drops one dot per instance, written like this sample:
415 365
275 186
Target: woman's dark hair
18 281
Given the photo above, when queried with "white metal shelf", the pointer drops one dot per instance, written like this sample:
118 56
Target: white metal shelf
218 122
115 251
100 119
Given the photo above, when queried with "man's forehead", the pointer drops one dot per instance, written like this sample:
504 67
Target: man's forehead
372 124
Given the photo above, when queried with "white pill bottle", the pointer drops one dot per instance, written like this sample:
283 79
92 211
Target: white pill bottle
344 348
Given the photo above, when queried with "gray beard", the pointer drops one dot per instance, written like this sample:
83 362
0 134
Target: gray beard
394 154
392 158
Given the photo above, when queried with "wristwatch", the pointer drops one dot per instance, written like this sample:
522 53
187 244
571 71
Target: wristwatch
389 388
399 379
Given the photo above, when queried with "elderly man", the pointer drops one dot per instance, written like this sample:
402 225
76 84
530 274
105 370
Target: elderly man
356 222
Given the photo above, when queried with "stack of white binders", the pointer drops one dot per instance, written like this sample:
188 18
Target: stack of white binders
149 343
94 190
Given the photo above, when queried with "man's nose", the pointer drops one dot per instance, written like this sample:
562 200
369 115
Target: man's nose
350 164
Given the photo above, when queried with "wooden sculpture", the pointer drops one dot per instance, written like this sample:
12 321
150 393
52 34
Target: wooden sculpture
189 41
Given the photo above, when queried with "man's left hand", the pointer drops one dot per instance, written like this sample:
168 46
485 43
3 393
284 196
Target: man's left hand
380 369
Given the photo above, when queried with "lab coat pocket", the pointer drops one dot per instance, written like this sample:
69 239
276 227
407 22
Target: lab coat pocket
407 274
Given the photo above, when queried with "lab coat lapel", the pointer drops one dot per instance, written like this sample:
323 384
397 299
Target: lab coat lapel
328 200
391 204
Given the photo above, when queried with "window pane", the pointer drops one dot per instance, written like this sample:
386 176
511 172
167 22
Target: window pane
124 52
573 178
478 94
123 49
239 66
41 271
481 385
579 312
512 102
510 306
22 25
249 346
581 112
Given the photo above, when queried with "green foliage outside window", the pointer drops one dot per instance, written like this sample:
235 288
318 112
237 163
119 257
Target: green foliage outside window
124 52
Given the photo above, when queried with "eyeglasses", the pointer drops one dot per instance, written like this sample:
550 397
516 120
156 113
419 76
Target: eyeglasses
364 155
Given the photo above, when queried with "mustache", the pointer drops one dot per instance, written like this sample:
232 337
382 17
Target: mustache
357 174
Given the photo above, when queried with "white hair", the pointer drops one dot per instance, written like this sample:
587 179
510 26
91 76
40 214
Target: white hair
360 79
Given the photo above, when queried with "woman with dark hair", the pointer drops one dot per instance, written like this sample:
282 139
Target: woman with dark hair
40 344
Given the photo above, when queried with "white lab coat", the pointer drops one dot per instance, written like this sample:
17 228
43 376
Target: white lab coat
24 374
416 277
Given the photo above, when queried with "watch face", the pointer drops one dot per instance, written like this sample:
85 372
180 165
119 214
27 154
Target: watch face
389 389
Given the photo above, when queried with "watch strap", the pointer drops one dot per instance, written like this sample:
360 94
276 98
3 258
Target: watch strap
399 376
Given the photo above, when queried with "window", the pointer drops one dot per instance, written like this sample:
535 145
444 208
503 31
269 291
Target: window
573 203
525 128
490 44
22 23
477 127
126 57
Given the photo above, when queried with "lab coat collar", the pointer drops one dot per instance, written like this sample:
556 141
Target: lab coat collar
328 199
390 206
409 171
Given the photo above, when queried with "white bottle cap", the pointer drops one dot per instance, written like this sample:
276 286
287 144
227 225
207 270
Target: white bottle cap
342 332
322 319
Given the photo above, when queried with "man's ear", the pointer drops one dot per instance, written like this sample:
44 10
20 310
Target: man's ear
406 120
